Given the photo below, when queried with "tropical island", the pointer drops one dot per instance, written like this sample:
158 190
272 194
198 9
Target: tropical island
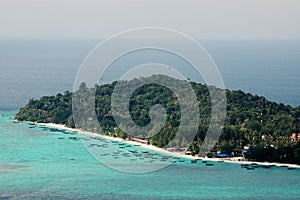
256 128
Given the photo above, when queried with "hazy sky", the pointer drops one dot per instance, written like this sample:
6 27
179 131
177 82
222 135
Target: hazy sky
201 19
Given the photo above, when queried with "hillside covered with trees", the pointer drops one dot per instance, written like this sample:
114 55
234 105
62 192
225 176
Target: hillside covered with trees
252 121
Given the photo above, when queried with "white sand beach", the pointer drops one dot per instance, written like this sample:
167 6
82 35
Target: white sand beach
236 160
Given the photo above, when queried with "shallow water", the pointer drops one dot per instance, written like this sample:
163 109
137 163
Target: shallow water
36 162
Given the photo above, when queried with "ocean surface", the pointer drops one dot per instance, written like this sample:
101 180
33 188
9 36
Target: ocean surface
41 163
33 68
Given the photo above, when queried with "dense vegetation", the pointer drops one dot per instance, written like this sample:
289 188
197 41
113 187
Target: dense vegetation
253 121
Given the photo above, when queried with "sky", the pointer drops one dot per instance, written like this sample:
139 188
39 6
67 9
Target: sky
200 19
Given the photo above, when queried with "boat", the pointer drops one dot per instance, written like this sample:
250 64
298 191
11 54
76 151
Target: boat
209 164
253 164
102 145
74 138
291 168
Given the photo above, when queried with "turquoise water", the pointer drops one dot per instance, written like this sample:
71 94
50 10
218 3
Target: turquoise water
36 163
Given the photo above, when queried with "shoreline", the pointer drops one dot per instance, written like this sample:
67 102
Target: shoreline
233 160
146 146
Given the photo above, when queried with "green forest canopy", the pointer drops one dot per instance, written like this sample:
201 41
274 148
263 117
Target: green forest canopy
251 120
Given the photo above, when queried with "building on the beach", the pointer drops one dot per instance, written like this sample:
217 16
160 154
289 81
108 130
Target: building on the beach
295 136
136 139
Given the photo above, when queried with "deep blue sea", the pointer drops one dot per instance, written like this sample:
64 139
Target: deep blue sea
32 68
37 163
